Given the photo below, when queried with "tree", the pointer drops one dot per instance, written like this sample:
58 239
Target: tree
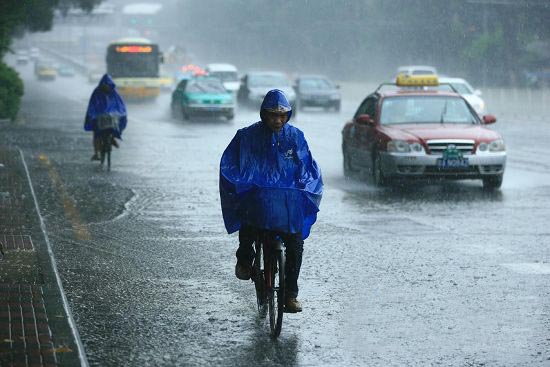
17 17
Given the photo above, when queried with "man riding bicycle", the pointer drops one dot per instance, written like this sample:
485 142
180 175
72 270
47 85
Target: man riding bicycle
269 181
105 103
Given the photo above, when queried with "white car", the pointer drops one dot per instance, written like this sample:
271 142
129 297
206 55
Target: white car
416 70
470 94
34 53
227 73
22 57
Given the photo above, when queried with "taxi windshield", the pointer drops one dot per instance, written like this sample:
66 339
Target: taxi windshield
206 86
425 109
225 76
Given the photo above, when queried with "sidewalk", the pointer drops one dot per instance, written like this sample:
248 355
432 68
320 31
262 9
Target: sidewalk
35 329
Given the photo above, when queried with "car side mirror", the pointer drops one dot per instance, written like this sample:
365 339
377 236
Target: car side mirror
364 120
477 92
489 119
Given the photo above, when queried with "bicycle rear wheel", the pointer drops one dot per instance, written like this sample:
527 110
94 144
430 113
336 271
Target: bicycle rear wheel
259 280
276 287
106 139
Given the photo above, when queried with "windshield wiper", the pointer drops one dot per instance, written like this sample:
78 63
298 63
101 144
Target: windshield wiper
443 112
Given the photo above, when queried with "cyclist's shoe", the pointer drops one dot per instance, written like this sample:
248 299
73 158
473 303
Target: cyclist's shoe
95 157
114 143
242 271
292 305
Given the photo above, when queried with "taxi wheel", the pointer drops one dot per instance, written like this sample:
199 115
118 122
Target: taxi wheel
173 111
377 173
184 114
493 182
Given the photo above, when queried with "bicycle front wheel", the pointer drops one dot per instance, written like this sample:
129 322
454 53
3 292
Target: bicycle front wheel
276 291
259 280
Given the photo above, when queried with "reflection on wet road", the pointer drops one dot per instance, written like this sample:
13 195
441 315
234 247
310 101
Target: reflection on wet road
413 275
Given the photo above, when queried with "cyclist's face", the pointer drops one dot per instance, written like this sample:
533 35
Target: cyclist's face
275 120
105 88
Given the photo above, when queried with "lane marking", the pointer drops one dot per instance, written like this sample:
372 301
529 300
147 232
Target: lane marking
70 319
69 206
529 268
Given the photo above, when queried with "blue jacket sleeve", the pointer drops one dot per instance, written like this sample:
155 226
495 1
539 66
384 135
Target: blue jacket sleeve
122 123
229 169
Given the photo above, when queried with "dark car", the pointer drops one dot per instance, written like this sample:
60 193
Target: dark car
255 85
317 91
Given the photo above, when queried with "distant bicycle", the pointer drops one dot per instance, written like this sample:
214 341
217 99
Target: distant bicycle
269 279
106 124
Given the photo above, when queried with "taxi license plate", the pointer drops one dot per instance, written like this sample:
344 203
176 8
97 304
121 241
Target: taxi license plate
452 163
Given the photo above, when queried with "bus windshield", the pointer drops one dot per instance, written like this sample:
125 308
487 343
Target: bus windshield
126 61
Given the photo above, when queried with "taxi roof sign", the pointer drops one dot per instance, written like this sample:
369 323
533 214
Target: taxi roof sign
428 80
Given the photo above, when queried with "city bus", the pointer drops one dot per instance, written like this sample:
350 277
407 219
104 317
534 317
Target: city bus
133 63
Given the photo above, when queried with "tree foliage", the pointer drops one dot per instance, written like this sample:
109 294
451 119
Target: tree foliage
17 17
11 90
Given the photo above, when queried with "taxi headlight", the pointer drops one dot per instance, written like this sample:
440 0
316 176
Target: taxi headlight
493 146
401 146
416 147
497 146
398 146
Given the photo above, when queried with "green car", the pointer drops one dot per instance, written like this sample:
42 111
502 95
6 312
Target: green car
202 96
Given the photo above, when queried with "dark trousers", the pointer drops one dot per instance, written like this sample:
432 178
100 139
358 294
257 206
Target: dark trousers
294 246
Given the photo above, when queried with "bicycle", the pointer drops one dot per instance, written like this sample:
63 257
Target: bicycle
106 148
269 279
106 125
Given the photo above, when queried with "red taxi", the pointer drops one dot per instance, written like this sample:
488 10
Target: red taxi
417 129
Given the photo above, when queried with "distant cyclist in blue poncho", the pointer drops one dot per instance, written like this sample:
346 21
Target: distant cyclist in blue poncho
269 181
105 103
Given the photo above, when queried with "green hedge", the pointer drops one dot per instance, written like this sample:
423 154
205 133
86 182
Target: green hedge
11 90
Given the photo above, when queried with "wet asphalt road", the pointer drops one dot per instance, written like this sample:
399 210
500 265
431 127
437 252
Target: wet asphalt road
441 274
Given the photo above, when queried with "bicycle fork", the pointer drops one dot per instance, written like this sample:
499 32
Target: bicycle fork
273 248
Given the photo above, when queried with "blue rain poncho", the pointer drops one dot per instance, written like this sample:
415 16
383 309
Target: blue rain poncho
102 103
269 180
